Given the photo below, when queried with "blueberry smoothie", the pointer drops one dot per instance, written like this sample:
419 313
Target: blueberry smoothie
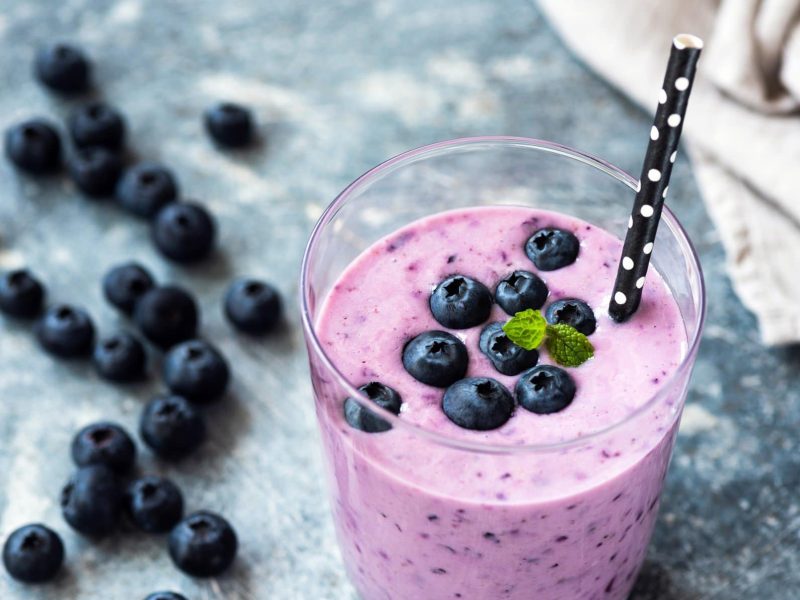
513 473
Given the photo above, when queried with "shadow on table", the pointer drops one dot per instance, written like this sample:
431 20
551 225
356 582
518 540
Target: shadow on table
654 583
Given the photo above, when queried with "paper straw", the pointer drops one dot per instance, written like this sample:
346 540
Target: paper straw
654 180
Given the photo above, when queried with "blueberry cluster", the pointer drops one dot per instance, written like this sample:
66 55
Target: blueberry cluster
102 491
440 359
183 231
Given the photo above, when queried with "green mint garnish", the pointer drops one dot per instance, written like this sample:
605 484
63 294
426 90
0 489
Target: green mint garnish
568 346
526 328
565 344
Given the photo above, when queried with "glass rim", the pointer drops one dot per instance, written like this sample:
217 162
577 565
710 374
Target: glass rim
314 345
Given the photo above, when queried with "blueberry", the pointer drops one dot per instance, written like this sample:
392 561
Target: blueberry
165 596
124 284
21 294
506 356
33 553
120 357
167 315
545 389
154 504
360 417
91 500
552 249
146 188
229 124
572 312
34 146
204 544
62 67
66 331
184 232
520 291
478 403
197 371
436 358
95 171
253 306
460 302
171 426
105 444
97 124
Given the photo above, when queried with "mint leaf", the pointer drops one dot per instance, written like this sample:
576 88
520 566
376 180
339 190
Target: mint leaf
568 346
526 328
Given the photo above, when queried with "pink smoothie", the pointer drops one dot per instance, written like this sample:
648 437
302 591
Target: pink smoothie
418 518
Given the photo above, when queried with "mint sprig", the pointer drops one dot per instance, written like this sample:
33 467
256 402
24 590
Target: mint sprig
565 344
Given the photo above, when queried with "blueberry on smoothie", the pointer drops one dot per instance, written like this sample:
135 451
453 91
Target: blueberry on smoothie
436 358
506 356
21 294
519 291
362 418
478 403
95 171
34 146
62 67
550 248
33 553
97 124
460 302
545 389
573 312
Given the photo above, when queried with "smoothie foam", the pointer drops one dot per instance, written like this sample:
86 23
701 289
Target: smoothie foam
418 519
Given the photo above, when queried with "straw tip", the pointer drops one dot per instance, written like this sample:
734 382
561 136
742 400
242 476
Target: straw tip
687 40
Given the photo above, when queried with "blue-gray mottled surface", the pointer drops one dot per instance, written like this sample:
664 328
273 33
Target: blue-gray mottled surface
337 87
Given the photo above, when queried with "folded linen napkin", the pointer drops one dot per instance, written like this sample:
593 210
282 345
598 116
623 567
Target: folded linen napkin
742 130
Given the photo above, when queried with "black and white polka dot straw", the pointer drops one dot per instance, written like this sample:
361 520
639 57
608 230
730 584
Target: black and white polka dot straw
656 170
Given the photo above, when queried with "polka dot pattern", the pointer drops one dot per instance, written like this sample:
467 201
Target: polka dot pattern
651 189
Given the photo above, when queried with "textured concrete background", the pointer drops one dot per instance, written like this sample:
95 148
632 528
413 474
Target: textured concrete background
338 86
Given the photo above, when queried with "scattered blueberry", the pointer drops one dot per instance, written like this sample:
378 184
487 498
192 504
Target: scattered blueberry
253 306
460 302
552 249
229 124
167 315
120 357
572 312
97 124
360 417
436 358
34 146
62 67
154 504
197 371
478 403
171 426
105 444
91 500
95 171
146 188
545 389
165 596
506 356
66 331
520 291
33 553
184 232
21 294
204 544
124 284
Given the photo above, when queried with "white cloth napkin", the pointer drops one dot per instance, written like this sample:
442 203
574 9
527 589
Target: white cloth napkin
742 128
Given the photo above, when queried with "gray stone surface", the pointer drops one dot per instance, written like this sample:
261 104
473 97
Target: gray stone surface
338 86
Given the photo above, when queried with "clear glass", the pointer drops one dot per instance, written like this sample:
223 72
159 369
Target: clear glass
406 533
